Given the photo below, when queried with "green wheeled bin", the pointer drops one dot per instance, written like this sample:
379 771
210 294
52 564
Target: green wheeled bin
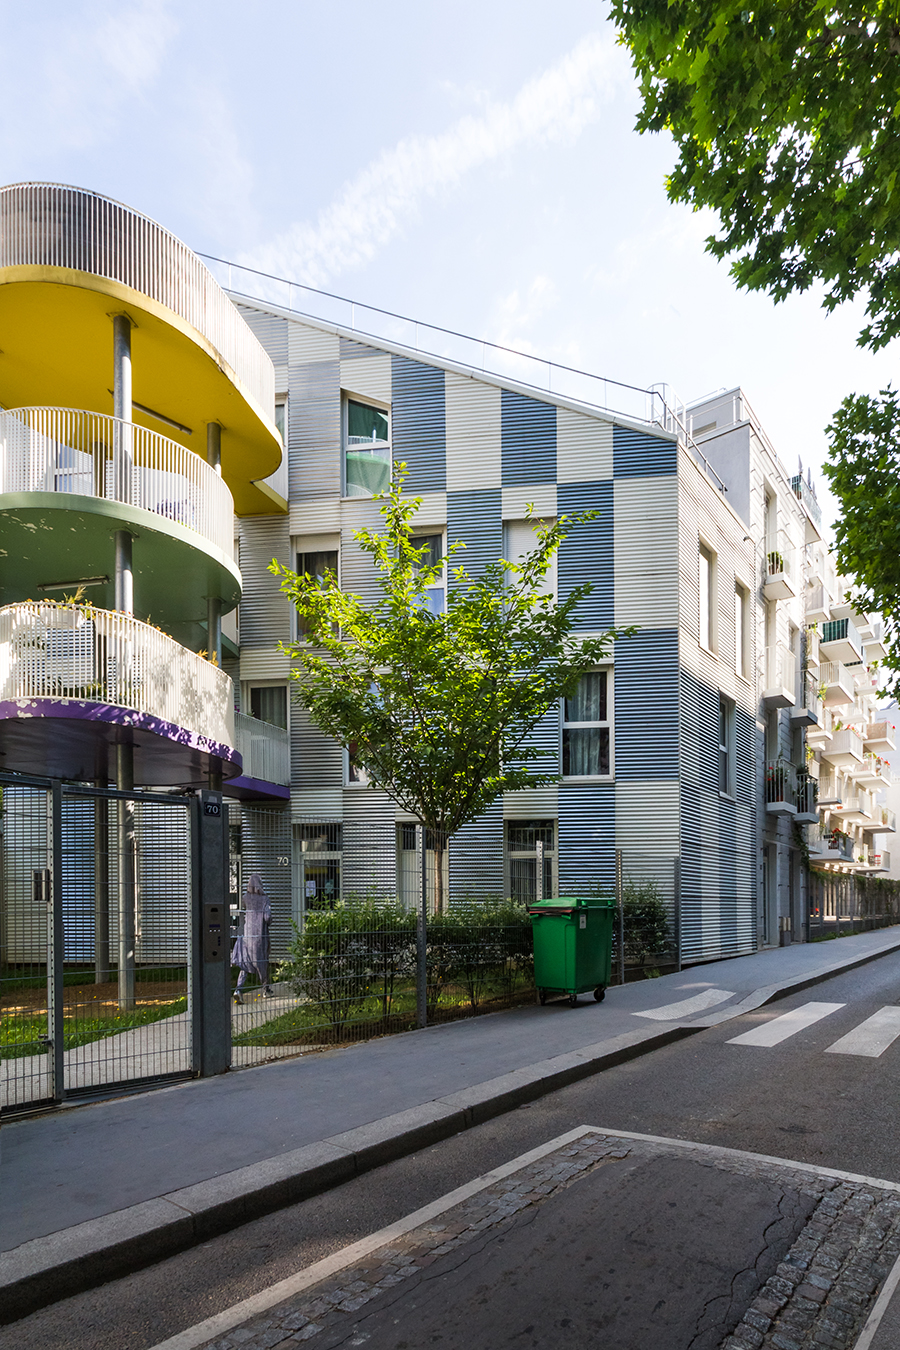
572 946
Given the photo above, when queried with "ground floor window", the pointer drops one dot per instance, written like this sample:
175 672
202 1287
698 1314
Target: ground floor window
317 853
531 860
409 885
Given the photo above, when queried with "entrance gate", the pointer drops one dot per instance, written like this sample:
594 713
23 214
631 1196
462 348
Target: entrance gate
103 979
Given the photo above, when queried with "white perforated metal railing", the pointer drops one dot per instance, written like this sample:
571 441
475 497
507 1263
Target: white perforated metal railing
264 748
66 450
50 650
53 225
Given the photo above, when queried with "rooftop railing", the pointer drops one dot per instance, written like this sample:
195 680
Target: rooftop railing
50 650
53 225
657 405
65 450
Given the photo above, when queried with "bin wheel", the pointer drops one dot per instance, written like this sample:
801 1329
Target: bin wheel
542 996
573 999
600 993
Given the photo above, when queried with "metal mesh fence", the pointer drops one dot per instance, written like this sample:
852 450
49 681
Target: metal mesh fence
840 904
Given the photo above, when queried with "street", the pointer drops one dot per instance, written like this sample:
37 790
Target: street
821 1089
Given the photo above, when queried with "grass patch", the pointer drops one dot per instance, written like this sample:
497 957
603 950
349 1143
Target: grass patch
22 1036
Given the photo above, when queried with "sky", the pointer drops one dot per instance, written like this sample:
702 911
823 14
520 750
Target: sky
474 166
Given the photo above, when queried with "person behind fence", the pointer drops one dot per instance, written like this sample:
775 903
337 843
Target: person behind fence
250 952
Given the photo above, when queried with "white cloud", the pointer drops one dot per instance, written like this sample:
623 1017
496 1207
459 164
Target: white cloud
374 206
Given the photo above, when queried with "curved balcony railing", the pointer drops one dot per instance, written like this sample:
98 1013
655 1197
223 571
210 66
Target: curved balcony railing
50 650
53 225
65 450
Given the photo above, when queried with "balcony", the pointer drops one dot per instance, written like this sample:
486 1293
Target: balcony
781 788
807 799
840 641
837 684
62 450
873 772
845 749
874 647
829 845
866 680
266 753
781 677
831 789
880 736
884 821
812 654
857 806
779 569
816 607
805 493
109 677
806 711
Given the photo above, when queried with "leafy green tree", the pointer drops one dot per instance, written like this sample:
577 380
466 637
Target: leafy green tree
437 708
784 114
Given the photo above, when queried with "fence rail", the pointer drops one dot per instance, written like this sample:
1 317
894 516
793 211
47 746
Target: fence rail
53 225
94 455
50 650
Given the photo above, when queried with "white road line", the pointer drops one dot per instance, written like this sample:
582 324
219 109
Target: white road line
670 1012
788 1024
872 1037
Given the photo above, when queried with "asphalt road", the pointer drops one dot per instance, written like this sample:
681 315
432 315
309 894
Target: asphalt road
793 1100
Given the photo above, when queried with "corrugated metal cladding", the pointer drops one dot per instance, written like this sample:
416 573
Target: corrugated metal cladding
647 832
646 706
587 837
314 428
418 424
474 518
316 759
359 575
25 849
584 447
718 893
265 614
637 455
476 857
646 545
473 434
265 848
528 438
350 347
271 330
369 861
586 554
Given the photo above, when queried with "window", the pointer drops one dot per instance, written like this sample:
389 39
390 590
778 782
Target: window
269 704
281 416
705 604
726 733
741 629
319 872
367 449
320 565
356 770
586 727
531 851
435 591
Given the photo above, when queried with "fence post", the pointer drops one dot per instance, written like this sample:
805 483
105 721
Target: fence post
676 879
211 937
421 930
620 910
52 884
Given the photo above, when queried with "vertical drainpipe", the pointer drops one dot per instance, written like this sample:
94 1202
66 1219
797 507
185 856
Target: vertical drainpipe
213 602
124 600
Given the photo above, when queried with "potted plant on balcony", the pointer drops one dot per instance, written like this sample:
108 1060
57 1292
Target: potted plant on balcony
774 562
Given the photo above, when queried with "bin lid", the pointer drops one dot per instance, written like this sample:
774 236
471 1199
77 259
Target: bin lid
562 904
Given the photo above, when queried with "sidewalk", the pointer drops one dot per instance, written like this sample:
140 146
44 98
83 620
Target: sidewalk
91 1191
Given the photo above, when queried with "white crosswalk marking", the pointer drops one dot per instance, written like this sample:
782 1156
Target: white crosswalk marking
872 1037
670 1011
778 1030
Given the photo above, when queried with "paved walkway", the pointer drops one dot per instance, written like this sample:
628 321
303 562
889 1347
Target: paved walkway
256 1130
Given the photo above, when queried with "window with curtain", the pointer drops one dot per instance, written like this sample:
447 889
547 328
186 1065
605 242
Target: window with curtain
367 449
587 726
269 704
320 565
434 546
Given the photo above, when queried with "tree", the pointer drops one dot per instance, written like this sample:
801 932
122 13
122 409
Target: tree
785 116
437 708
865 474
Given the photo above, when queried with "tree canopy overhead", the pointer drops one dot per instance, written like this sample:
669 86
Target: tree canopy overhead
786 116
436 708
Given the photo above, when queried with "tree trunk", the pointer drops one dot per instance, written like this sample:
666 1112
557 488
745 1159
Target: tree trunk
439 845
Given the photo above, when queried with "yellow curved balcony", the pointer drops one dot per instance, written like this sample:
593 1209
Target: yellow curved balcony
69 479
69 260
109 678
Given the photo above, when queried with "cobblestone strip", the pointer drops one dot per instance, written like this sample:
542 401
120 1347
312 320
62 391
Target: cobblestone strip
821 1294
299 1320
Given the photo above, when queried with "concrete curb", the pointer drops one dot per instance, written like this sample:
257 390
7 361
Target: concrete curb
51 1268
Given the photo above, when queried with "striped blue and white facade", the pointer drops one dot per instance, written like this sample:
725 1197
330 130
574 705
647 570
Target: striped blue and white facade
477 450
